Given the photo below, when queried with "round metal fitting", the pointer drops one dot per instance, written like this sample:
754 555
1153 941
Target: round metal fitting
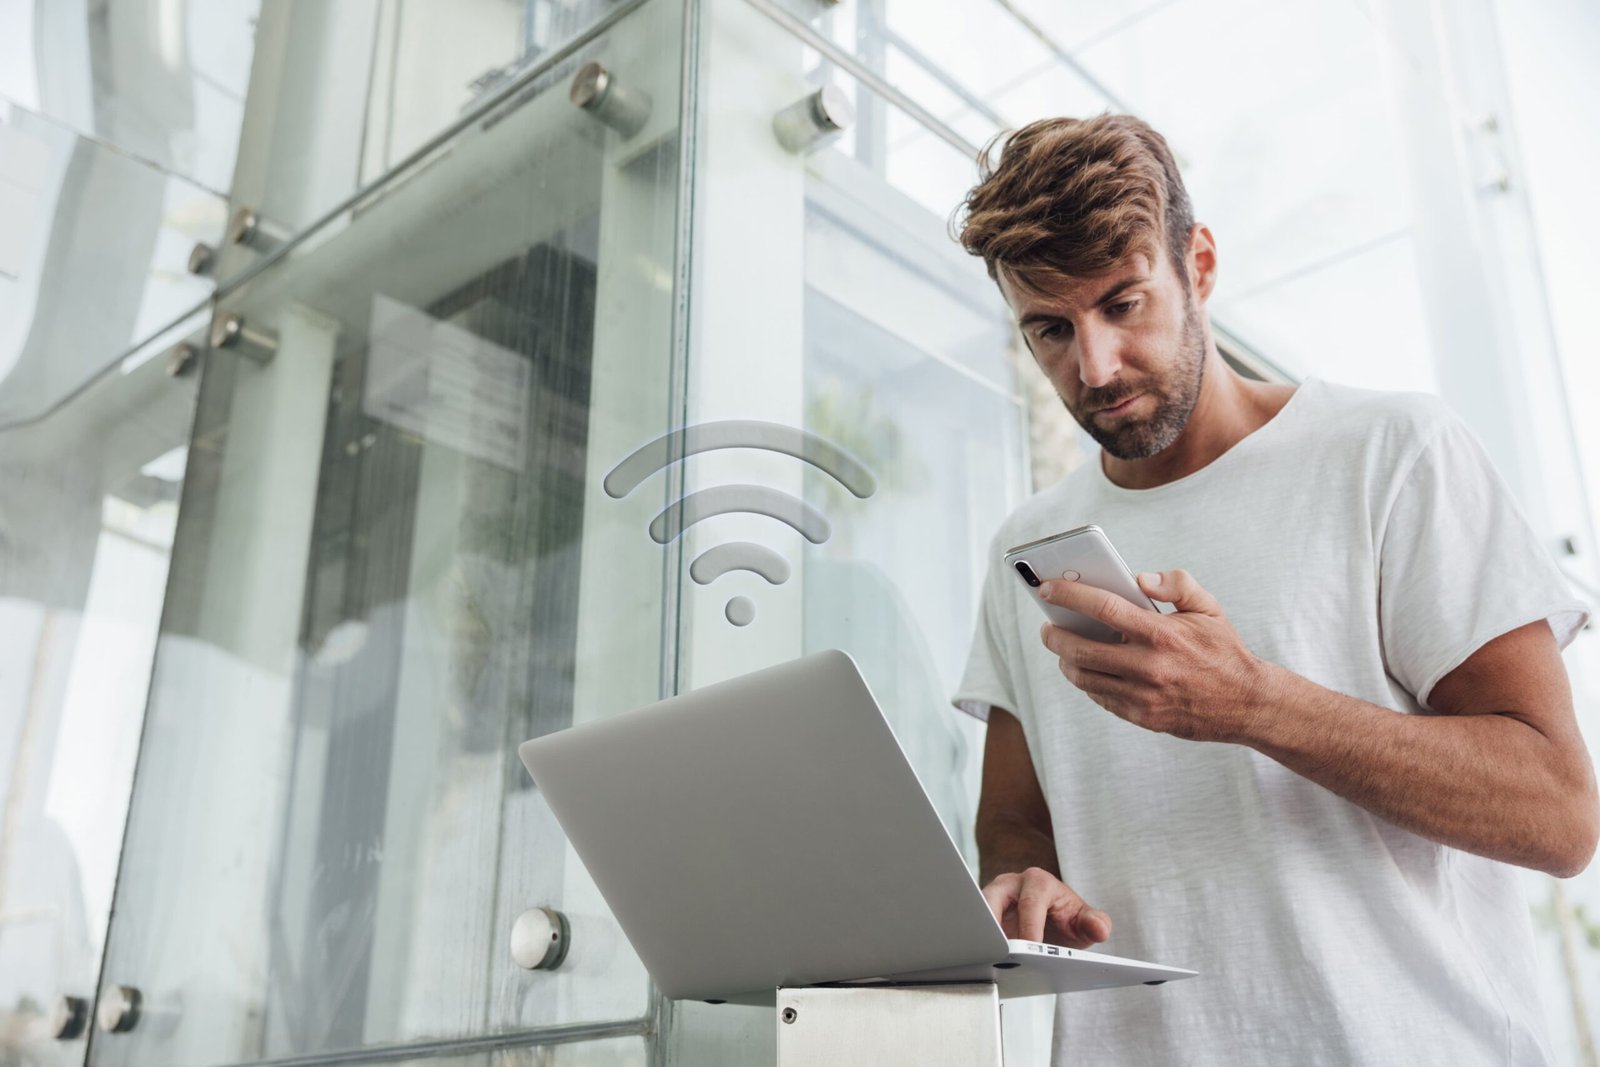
181 359
70 1018
814 121
226 328
597 91
243 226
590 85
119 1009
831 109
539 939
247 227
230 331
790 1015
202 259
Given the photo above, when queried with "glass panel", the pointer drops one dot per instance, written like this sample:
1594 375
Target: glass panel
341 94
395 562
160 80
912 373
886 339
94 250
857 319
88 502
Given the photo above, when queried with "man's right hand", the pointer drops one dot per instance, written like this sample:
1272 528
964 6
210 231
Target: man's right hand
1035 905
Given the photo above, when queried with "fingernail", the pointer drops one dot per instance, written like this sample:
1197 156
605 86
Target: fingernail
1046 589
1150 578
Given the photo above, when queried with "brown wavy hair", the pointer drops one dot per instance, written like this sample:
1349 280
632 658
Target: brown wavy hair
1074 198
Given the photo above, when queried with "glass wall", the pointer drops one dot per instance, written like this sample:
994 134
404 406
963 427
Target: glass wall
88 505
393 563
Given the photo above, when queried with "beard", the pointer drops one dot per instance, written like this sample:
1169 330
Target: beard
1175 401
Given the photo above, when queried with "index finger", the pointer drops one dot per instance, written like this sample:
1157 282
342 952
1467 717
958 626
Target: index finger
1000 895
1107 607
1035 897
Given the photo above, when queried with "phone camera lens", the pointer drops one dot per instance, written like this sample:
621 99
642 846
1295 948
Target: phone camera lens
1027 572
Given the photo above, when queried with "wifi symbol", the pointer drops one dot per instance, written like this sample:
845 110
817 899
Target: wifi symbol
678 516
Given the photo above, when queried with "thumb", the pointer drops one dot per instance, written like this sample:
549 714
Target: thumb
1094 924
1179 589
1081 923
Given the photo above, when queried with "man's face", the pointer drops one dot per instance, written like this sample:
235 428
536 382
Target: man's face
1125 351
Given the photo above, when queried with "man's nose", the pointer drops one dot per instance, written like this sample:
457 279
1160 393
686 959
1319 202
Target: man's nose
1098 361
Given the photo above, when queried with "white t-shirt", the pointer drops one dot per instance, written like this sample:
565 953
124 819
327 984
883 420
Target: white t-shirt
1360 539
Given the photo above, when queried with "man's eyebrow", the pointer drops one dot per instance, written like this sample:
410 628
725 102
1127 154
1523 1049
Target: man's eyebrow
1116 290
1105 298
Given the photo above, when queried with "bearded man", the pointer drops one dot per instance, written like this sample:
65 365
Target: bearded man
1310 781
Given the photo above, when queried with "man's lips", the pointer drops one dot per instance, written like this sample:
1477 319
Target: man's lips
1117 409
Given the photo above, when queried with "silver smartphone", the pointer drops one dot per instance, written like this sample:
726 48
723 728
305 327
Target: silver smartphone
1081 555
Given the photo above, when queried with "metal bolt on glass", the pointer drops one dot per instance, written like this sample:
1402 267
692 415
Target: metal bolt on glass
248 228
70 1018
539 939
202 259
622 107
814 121
229 331
182 359
119 1009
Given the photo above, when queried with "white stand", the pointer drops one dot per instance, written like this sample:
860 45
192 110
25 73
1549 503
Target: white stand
954 1025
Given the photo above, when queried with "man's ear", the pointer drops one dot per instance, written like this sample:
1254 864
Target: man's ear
1202 261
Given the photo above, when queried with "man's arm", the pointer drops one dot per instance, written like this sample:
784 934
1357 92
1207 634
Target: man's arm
1017 852
1013 825
1499 770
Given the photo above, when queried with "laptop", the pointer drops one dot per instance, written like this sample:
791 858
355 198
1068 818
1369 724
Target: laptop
768 831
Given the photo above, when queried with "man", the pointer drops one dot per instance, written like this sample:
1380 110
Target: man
1308 780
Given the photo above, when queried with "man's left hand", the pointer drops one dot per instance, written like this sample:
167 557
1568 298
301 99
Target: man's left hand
1187 673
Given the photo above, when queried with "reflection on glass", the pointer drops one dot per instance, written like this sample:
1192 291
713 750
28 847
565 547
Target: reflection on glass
88 503
161 80
394 564
94 249
910 372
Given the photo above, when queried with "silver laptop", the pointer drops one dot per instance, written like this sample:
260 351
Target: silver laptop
768 832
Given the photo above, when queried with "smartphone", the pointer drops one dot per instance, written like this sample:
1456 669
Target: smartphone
1081 555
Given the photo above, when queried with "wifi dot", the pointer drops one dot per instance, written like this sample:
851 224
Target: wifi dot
741 611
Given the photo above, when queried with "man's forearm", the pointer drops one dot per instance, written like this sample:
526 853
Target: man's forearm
1486 783
1008 843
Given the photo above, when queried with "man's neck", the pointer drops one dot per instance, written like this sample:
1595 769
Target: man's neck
1229 409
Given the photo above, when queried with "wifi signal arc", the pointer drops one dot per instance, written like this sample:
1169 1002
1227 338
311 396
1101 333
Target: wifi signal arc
667 449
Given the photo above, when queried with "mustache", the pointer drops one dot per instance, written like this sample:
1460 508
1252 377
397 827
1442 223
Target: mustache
1094 401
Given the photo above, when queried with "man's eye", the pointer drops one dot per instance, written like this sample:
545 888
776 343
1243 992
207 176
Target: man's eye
1124 308
1051 331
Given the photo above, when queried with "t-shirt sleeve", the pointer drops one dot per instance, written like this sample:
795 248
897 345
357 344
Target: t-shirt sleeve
988 681
1459 565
